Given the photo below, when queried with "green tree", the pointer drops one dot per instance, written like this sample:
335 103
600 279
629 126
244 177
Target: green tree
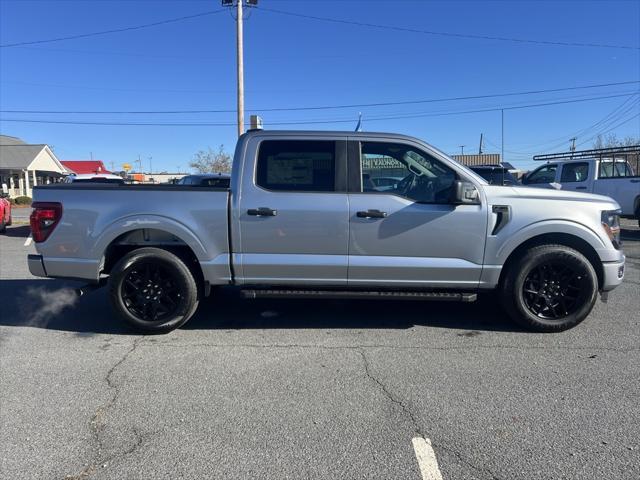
211 161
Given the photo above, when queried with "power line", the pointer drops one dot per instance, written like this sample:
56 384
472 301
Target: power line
114 30
447 34
312 122
328 107
615 115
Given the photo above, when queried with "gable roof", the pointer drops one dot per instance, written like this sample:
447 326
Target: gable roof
18 156
15 154
85 166
9 140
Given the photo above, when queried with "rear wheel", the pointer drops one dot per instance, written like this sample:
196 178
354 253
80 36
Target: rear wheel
153 290
550 288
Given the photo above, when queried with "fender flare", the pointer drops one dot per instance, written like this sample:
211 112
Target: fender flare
545 227
138 222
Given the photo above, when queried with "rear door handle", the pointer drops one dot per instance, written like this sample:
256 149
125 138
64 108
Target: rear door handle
581 188
371 214
262 212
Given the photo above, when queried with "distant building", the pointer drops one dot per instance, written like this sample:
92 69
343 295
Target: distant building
23 166
161 177
478 159
85 166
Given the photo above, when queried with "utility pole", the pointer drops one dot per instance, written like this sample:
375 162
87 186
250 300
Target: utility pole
462 149
573 143
480 147
502 152
240 53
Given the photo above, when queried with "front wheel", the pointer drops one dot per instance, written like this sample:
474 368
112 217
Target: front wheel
550 288
153 290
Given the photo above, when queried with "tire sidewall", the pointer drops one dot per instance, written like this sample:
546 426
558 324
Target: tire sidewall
181 275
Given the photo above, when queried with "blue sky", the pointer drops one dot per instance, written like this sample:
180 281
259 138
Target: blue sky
296 62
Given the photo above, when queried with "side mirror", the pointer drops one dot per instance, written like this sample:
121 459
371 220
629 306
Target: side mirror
465 193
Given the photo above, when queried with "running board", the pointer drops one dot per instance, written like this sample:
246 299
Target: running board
355 294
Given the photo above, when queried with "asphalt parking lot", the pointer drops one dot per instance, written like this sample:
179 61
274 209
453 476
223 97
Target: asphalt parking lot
312 389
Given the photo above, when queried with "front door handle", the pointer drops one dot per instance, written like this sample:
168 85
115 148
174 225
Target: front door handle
581 188
371 214
262 212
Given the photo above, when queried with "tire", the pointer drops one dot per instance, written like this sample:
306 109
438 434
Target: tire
3 226
10 222
550 288
153 290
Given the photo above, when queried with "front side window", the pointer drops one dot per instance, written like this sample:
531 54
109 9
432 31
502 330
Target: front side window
297 165
402 170
574 172
546 174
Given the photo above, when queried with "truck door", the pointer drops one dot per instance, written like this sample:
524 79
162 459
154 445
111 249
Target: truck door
410 235
292 212
576 176
542 177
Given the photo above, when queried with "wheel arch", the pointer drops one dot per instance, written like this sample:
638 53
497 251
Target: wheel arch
556 238
138 238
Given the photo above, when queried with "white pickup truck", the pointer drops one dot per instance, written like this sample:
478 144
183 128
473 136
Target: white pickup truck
605 172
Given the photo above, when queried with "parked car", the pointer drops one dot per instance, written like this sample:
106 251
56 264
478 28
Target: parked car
94 178
614 178
495 174
5 212
221 180
298 222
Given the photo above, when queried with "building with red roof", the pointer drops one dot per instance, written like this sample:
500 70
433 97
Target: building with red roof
85 166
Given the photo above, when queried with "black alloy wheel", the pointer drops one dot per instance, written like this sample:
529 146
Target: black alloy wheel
153 290
150 293
552 290
549 288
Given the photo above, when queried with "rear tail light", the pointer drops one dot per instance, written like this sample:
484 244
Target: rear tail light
44 218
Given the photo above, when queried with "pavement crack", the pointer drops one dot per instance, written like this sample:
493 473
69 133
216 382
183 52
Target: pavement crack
390 396
414 420
463 461
98 421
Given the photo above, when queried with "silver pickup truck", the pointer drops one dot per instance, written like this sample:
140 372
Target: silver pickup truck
304 217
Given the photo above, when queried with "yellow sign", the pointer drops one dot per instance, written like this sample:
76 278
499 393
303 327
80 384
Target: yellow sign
126 167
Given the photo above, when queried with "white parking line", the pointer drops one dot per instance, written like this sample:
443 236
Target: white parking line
27 242
426 459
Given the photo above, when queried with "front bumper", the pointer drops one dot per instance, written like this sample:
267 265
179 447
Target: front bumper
613 274
36 265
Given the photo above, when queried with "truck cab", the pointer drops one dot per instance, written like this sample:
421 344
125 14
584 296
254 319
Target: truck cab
604 173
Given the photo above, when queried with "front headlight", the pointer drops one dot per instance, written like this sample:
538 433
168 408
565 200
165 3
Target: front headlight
611 224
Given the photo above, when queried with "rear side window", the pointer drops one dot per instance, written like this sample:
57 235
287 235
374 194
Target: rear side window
574 172
297 165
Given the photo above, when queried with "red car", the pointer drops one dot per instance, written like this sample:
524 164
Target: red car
5 213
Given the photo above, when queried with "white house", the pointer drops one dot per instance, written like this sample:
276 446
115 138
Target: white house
23 165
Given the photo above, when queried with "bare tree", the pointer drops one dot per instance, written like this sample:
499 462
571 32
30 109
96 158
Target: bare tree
210 161
611 140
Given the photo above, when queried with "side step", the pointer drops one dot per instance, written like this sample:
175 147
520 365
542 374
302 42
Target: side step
369 295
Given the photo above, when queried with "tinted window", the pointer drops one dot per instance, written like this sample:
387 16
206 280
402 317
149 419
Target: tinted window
300 165
496 176
422 177
217 182
546 174
574 172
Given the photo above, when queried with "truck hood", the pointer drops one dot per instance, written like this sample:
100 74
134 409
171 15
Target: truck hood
496 192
